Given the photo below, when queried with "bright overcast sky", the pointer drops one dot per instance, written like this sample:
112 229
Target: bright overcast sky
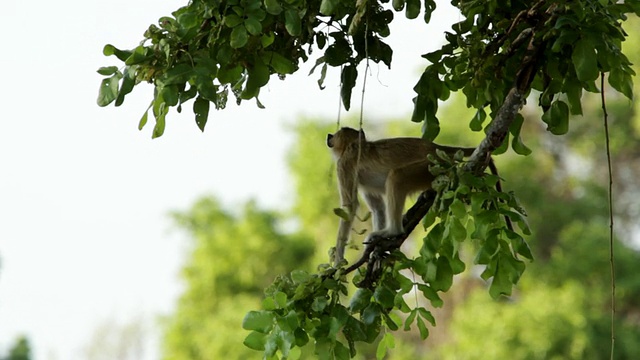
85 234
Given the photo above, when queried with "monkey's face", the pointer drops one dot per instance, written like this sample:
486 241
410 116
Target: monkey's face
330 141
344 137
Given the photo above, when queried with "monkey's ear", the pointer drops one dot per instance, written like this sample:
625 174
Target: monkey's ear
330 140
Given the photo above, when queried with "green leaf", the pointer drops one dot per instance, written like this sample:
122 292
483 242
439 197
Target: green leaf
253 25
348 78
557 118
128 82
478 120
321 40
271 345
431 294
238 37
520 246
229 74
384 296
170 95
255 341
112 50
413 9
292 22
500 285
319 304
201 109
267 39
387 342
327 7
272 7
260 321
232 20
431 125
391 324
621 81
289 322
301 337
426 314
444 275
488 250
281 299
429 218
424 332
258 77
398 5
188 20
410 319
178 74
108 90
300 276
361 299
371 314
585 61
573 89
517 145
456 229
341 352
109 70
139 55
279 63
269 304
338 53
160 116
143 120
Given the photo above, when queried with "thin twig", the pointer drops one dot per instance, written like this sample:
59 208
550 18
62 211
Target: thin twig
611 244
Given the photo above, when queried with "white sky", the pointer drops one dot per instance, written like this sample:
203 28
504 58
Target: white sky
85 234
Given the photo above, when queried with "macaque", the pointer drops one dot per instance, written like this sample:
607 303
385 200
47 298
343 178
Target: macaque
385 171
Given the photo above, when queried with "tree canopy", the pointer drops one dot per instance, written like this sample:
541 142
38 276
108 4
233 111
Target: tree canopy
498 56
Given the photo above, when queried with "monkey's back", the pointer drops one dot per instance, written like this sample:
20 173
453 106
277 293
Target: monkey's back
399 152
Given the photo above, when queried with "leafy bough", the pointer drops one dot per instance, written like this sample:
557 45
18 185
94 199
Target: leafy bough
496 55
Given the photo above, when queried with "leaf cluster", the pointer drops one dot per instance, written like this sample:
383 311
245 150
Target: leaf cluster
304 309
570 42
303 306
210 48
472 207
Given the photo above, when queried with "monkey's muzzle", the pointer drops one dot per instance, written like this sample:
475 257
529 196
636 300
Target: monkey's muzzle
330 140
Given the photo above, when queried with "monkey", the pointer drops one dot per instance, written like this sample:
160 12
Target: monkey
386 171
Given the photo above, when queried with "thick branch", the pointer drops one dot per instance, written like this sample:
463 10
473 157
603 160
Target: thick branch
513 102
379 247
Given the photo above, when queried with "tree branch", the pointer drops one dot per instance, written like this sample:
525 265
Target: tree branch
380 247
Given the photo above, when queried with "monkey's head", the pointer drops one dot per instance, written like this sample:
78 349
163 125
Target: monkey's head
344 137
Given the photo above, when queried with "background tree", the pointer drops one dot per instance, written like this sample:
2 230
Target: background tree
20 350
113 340
233 258
561 306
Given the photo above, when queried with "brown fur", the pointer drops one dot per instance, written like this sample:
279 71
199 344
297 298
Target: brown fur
387 171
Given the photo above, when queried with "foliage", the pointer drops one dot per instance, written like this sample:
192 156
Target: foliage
496 55
568 216
570 276
208 48
20 350
306 306
232 261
